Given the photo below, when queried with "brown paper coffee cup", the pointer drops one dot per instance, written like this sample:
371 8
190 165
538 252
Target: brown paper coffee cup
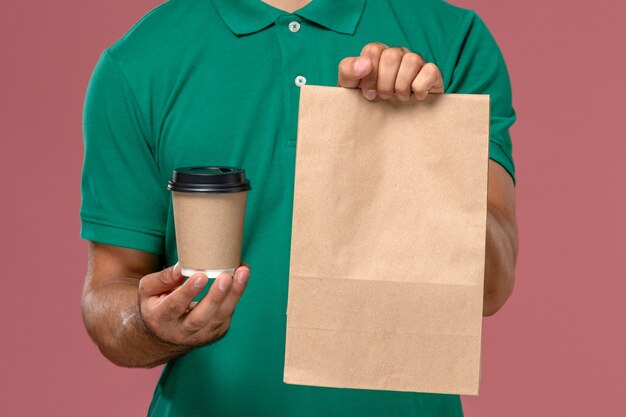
209 209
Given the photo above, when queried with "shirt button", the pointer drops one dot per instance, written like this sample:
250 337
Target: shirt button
294 26
300 80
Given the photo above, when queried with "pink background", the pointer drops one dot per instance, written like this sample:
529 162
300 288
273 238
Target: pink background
556 349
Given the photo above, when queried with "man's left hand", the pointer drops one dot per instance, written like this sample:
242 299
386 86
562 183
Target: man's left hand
382 71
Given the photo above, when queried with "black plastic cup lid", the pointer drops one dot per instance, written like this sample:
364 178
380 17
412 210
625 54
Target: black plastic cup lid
209 180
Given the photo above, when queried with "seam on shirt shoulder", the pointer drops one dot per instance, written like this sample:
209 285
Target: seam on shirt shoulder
146 131
141 20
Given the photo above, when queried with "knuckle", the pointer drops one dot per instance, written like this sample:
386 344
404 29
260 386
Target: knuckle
402 88
175 308
211 334
384 92
221 331
392 54
421 95
413 59
217 323
193 324
344 66
430 68
163 279
416 86
225 326
179 338
373 49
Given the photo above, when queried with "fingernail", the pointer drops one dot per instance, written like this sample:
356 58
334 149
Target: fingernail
200 281
360 65
224 283
242 277
176 270
370 94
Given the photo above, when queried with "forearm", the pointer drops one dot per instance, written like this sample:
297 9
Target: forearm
501 256
113 320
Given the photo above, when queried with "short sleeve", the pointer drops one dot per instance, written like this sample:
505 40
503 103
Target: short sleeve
479 68
123 200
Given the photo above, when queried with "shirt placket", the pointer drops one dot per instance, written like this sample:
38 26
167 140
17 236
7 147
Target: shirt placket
291 32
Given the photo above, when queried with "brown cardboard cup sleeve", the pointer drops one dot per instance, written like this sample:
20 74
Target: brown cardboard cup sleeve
388 242
209 205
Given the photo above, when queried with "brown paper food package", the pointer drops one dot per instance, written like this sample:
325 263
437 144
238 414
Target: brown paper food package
388 242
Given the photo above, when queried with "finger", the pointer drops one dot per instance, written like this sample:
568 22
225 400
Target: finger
160 282
388 67
352 70
429 79
242 274
177 303
409 68
206 309
368 83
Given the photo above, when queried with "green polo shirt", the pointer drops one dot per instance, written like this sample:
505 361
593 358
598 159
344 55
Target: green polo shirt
216 82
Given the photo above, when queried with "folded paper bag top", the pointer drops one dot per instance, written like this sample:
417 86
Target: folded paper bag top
388 242
209 205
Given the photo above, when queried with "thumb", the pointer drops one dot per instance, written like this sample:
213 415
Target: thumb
160 282
352 70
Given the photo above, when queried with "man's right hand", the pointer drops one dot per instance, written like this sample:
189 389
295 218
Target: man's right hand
142 318
169 312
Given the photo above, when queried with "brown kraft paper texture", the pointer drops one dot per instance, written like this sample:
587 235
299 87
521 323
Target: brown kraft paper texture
388 242
209 229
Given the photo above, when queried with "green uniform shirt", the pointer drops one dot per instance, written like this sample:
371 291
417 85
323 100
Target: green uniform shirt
215 82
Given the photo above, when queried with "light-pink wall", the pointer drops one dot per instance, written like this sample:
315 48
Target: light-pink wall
556 349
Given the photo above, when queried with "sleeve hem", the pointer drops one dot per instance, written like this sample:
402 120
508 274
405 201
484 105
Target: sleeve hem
120 236
497 153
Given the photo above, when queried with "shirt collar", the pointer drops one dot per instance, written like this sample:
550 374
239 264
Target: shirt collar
244 17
